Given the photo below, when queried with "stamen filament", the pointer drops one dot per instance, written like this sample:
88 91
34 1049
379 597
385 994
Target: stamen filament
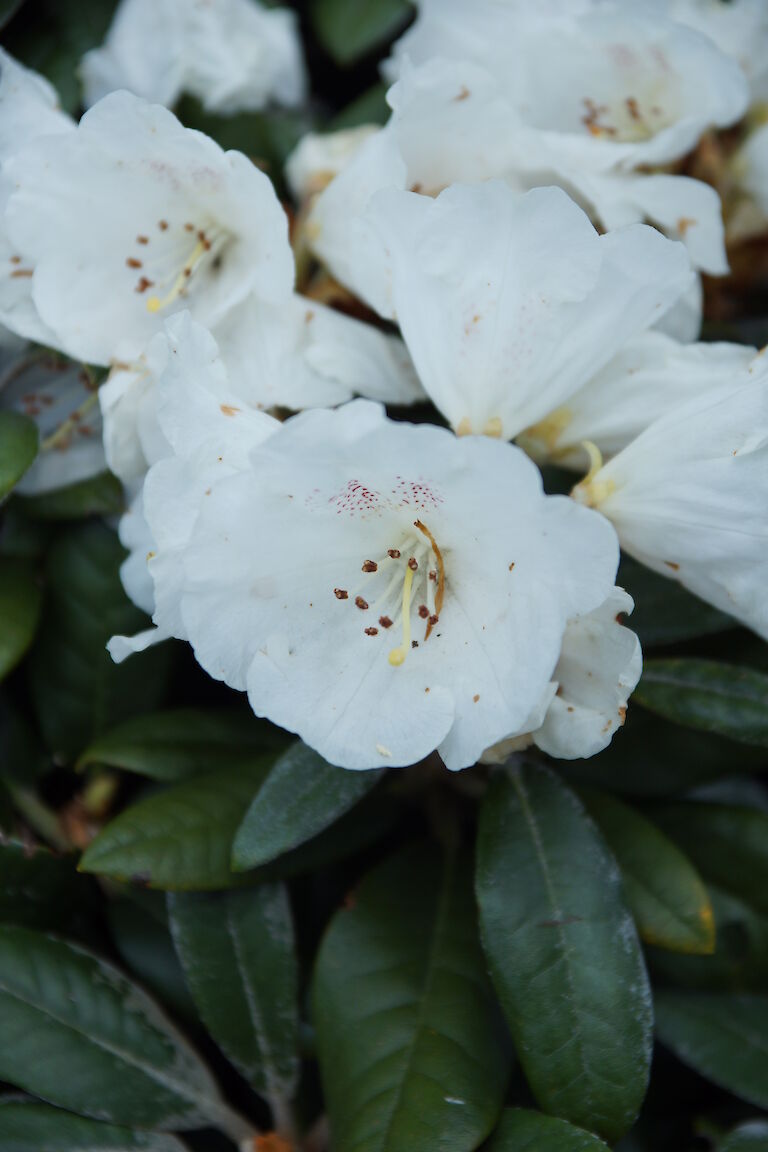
157 303
397 655
440 573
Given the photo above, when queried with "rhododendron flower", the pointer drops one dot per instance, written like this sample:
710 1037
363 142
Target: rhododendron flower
509 304
599 666
295 355
688 497
320 156
233 55
381 589
647 378
133 217
738 27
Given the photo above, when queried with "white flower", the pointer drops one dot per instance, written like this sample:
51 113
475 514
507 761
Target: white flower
738 27
683 320
688 497
133 217
508 304
599 666
383 589
28 109
648 377
321 156
234 55
296 355
62 400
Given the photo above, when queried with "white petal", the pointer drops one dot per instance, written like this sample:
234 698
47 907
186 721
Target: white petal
321 156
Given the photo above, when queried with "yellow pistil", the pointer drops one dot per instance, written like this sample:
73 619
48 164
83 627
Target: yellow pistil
397 655
591 491
157 303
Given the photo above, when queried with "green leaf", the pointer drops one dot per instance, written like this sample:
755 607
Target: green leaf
21 755
76 688
40 890
663 890
712 697
181 837
29 1126
563 952
520 1130
350 29
370 108
237 951
144 944
100 495
302 796
172 745
410 1051
728 844
267 138
750 1137
20 603
665 612
725 1038
18 448
8 9
79 1034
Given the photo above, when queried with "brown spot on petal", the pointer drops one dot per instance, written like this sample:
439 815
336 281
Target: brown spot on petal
162 225
132 262
360 603
671 564
370 566
684 223
385 621
229 409
371 631
511 565
463 94
423 611
475 699
143 284
341 593
142 239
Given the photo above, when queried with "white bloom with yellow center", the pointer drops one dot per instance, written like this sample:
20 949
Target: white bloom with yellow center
650 375
509 304
133 217
688 497
233 55
383 589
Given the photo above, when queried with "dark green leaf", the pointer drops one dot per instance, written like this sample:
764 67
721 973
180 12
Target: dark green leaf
664 892
18 448
29 1126
180 837
8 9
563 952
173 745
750 1137
20 602
266 137
350 29
302 795
40 890
665 612
100 495
408 1041
522 1131
725 1038
21 754
79 1034
21 537
713 697
370 108
237 951
729 845
78 691
145 945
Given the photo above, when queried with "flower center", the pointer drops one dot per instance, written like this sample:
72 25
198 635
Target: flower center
168 265
415 579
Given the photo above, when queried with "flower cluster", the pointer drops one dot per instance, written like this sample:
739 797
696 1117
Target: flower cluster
518 246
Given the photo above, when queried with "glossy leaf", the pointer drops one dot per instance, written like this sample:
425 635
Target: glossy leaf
665 612
728 844
713 697
725 1038
520 1130
369 108
18 448
302 796
408 1041
20 603
41 890
180 837
237 951
29 1126
173 745
100 495
350 29
663 890
77 690
749 1137
563 952
144 944
109 1051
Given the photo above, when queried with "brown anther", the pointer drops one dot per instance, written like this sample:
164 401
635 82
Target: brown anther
189 227
385 621
143 284
132 262
187 271
433 575
21 274
433 620
370 566
393 553
15 259
475 699
162 225
633 108
204 240
414 643
423 611
360 603
511 565
371 631
671 564
341 593
142 239
413 563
